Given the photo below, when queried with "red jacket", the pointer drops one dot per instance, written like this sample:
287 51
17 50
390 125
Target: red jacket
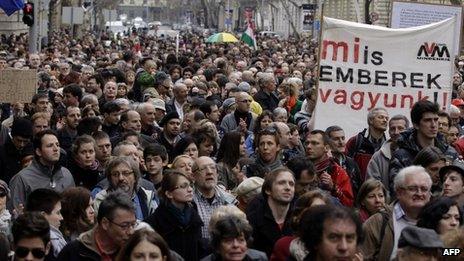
459 146
343 190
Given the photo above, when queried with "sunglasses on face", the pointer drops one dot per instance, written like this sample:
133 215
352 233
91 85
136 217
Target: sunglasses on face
22 252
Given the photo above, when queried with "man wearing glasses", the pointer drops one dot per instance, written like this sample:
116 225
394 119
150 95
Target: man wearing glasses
31 237
123 174
412 187
207 194
241 120
116 222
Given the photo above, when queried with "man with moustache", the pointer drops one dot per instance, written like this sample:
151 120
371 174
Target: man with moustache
123 173
207 195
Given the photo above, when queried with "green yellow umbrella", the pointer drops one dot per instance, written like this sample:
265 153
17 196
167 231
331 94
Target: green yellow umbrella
222 38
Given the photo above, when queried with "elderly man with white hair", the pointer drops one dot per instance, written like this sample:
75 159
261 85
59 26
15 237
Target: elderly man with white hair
180 92
382 230
266 96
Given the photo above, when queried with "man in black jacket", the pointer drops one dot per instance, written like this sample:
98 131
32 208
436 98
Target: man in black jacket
15 148
266 96
269 214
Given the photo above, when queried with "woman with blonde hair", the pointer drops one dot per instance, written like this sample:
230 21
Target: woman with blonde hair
184 164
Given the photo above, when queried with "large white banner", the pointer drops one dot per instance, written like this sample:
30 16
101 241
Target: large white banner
364 66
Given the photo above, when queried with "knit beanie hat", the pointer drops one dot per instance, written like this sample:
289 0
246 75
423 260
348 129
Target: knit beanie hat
22 127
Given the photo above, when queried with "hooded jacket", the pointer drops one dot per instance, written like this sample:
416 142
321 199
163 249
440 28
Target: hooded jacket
37 176
408 149
82 249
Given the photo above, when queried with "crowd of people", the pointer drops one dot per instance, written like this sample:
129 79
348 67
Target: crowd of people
134 148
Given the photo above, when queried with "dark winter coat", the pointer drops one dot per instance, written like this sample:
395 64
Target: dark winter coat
266 231
184 240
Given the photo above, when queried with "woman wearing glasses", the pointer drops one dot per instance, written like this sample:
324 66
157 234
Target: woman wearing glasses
176 219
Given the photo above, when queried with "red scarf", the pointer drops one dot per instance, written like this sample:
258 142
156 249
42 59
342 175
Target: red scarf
291 102
323 165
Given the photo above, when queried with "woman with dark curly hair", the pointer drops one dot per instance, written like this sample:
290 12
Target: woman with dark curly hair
77 211
230 237
441 214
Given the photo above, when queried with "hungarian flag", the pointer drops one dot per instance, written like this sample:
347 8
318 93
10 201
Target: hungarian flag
249 37
11 6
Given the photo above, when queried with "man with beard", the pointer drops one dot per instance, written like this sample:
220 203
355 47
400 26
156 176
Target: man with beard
123 173
171 130
207 194
269 213
68 133
362 146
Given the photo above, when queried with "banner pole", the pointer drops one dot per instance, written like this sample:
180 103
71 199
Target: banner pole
319 50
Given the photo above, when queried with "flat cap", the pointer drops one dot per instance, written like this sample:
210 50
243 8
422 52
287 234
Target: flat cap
418 237
457 165
249 185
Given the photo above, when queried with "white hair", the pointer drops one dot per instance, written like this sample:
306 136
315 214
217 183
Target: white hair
143 106
294 80
400 178
454 109
279 111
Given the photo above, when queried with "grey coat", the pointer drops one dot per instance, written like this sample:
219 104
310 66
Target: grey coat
37 176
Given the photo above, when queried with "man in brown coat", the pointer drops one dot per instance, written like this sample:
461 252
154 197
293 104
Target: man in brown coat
383 230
